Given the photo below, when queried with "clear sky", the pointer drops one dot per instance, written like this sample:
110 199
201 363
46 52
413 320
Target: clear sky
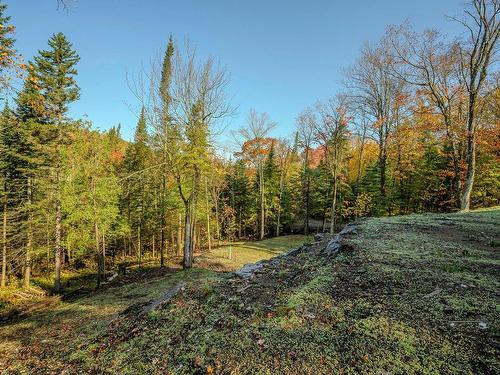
283 55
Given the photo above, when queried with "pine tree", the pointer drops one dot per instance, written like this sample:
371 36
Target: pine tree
137 160
8 161
166 77
272 179
31 131
237 195
30 101
54 72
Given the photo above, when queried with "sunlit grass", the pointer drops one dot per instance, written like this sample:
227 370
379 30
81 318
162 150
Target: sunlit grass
238 254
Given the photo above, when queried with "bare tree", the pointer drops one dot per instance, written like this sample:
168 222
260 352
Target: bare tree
476 54
183 110
373 86
255 146
429 63
64 4
199 101
361 133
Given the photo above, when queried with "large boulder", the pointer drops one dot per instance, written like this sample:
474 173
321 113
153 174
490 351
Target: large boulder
335 244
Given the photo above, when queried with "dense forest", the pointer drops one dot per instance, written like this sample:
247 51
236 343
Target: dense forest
415 129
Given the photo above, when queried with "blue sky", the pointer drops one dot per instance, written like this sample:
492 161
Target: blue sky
282 55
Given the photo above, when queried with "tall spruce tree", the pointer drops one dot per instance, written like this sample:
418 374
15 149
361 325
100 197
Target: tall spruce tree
54 71
8 159
166 77
137 158
31 130
271 176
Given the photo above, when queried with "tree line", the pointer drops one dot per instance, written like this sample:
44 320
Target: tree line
416 128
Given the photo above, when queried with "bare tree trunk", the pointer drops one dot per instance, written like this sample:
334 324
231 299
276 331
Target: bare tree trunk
323 228
57 241
4 238
103 254
471 161
456 176
239 224
47 227
455 180
196 235
68 255
29 243
139 244
484 27
360 161
58 235
172 241
278 221
217 225
154 249
162 242
306 218
334 203
179 236
98 256
208 217
262 203
188 249
307 192
382 160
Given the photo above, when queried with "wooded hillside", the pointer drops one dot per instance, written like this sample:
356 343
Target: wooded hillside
416 129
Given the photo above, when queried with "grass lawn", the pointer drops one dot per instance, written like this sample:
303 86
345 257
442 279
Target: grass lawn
236 255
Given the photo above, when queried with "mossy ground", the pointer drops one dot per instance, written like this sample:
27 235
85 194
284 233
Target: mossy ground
414 294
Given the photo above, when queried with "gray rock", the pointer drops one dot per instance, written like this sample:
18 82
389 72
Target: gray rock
248 269
334 246
349 229
291 252
319 237
167 296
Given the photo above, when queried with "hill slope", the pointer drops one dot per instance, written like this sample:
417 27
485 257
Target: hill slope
412 294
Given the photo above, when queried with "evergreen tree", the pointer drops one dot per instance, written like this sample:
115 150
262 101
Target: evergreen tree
166 77
272 180
137 199
237 195
34 149
89 195
54 71
30 101
8 168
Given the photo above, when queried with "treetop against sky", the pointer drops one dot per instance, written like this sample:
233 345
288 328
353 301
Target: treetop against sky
282 55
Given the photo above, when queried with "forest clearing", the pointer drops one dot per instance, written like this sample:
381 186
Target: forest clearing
263 187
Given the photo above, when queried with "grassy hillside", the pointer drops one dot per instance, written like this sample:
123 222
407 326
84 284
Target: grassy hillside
412 294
